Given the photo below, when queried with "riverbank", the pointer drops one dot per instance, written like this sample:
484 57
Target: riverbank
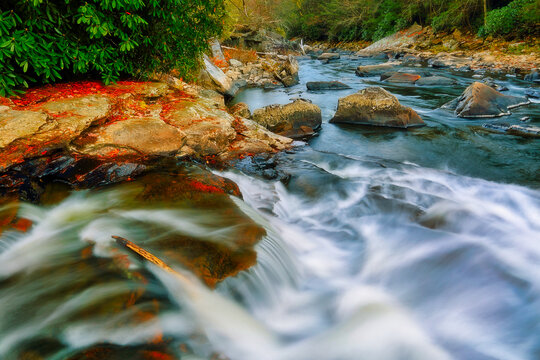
518 57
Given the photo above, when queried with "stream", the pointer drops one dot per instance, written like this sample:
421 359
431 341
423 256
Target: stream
382 244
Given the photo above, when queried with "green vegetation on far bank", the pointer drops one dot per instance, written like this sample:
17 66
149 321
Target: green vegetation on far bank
43 41
348 20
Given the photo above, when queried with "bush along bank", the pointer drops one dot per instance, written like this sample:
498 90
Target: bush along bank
45 41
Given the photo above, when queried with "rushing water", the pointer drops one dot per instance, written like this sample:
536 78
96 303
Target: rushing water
384 244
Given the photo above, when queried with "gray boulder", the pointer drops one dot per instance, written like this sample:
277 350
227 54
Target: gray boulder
482 101
375 106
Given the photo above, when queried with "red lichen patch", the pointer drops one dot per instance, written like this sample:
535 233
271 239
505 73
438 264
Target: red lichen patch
37 96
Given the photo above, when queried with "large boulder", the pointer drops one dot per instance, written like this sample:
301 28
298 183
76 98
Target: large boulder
399 40
372 70
295 120
481 101
375 106
403 78
326 85
435 81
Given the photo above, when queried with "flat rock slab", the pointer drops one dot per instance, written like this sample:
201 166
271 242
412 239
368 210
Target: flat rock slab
19 124
376 107
402 78
481 101
329 56
435 81
144 136
326 85
294 120
372 70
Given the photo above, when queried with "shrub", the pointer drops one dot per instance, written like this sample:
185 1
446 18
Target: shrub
518 17
42 41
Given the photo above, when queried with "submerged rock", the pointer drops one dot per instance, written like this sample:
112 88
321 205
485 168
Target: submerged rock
435 81
295 120
482 101
517 130
326 85
375 106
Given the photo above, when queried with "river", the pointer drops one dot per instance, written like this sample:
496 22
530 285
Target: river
382 244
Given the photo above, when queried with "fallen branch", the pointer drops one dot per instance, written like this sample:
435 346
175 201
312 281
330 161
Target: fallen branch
143 253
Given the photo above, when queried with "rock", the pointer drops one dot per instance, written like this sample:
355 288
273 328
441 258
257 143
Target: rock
241 109
144 136
481 101
214 78
445 60
410 59
517 130
371 70
492 84
326 85
380 56
525 119
19 124
294 120
533 76
53 125
215 47
235 63
403 78
531 93
375 106
400 39
289 71
435 81
329 56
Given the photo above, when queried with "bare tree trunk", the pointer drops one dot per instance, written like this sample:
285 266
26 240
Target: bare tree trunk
485 13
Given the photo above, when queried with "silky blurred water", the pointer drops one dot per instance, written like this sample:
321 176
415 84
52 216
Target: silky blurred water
383 244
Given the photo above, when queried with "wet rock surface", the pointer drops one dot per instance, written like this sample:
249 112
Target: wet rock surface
295 120
377 107
326 85
480 101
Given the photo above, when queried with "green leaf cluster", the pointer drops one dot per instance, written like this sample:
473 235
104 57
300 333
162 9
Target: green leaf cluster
42 41
521 16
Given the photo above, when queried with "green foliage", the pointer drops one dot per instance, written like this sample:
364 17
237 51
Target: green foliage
374 19
42 41
518 17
